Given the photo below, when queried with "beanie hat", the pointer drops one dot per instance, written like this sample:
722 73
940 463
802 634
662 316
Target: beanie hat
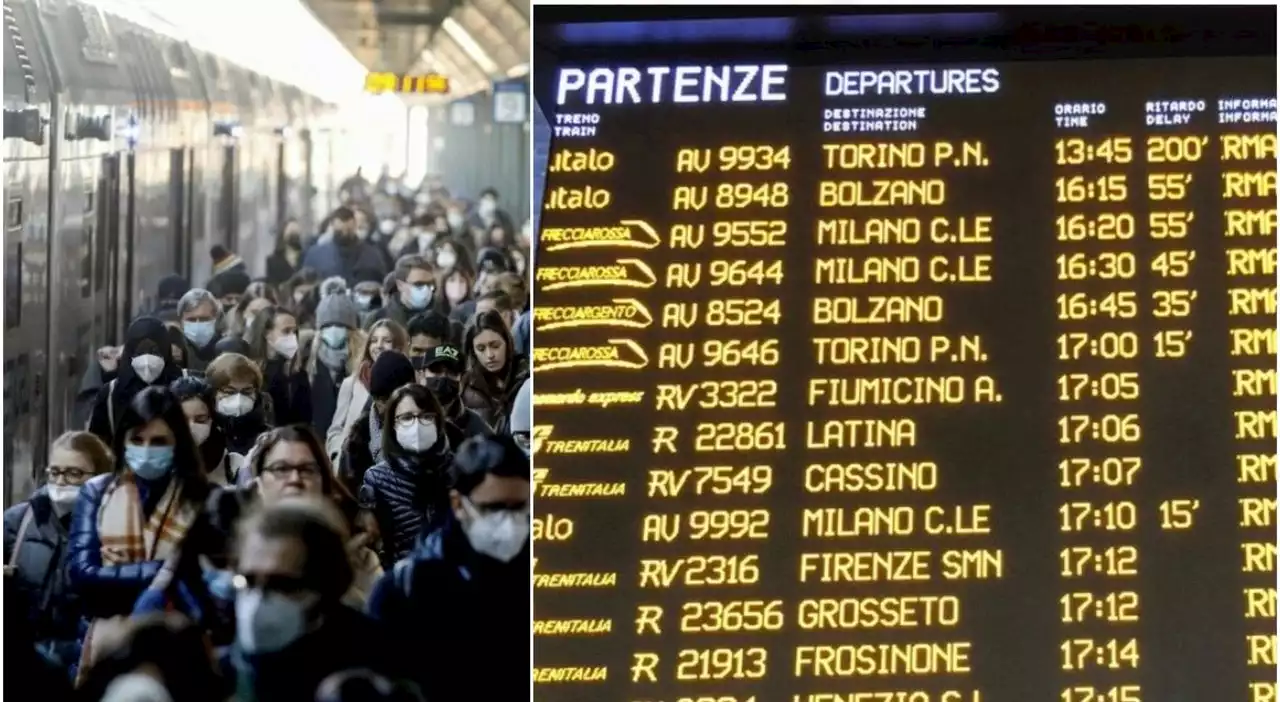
337 309
492 259
229 283
390 371
522 410
231 344
333 285
173 287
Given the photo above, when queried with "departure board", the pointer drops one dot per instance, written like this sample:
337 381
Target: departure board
908 383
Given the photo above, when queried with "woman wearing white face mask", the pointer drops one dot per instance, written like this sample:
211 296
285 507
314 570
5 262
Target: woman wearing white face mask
407 491
198 402
273 343
480 556
145 360
240 408
457 290
35 544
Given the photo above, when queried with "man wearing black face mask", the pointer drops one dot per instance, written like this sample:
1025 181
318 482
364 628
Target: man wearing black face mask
442 368
346 255
469 578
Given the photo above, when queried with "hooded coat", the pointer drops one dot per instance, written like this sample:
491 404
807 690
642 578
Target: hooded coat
145 335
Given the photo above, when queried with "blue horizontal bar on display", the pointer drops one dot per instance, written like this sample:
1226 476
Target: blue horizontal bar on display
678 31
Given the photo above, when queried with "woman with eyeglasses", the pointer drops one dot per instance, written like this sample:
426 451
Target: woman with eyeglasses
240 407
408 490
291 462
469 577
35 544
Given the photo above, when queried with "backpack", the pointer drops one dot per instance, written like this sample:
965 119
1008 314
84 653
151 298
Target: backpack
111 406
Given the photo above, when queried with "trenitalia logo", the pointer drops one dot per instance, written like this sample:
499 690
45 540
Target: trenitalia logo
537 436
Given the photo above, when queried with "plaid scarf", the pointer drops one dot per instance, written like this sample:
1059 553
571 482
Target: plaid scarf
125 536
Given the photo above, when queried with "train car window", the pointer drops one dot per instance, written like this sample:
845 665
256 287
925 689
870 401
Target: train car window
215 72
177 61
96 43
13 262
88 230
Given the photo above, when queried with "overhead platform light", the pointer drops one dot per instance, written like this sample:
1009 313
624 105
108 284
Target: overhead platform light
496 32
467 77
519 70
469 45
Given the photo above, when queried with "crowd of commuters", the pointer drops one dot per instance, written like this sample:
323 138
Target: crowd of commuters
309 485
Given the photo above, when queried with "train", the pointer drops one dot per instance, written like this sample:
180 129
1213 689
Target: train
129 153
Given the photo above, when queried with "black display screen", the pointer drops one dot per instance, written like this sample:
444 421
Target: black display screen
908 383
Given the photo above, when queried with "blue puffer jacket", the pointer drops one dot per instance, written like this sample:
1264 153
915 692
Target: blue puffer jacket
408 495
104 590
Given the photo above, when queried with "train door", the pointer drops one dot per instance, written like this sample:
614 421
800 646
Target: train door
205 193
25 323
177 206
282 183
125 278
190 198
74 310
108 273
228 202
306 208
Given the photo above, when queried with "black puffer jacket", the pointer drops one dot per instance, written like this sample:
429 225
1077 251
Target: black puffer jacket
40 574
241 433
408 495
290 393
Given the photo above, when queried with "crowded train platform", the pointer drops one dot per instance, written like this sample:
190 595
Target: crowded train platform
267 398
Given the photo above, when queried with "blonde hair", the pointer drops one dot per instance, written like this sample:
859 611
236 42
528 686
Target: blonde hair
399 339
357 340
87 444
